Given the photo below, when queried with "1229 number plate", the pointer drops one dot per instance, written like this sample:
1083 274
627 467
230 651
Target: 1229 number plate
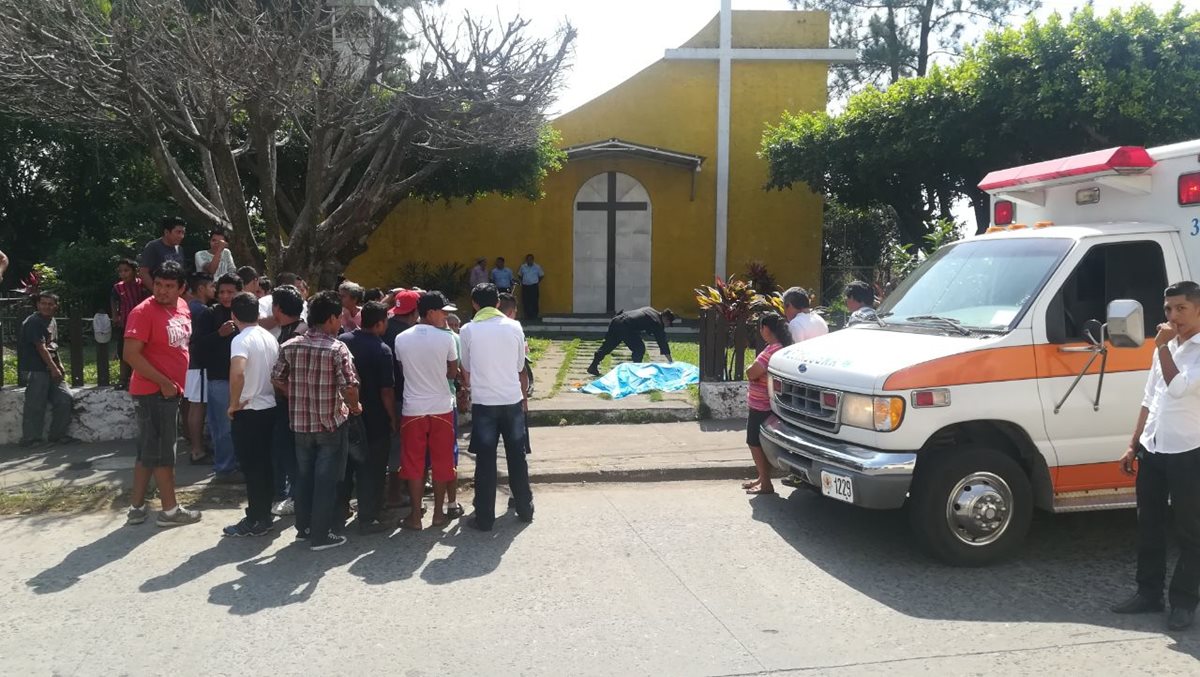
837 486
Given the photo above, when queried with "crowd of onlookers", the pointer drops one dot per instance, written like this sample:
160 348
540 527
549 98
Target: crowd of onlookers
316 402
312 400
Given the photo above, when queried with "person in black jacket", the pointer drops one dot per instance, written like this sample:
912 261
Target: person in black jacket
627 328
214 334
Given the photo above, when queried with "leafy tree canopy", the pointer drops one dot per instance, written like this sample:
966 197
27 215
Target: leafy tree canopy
899 38
1026 94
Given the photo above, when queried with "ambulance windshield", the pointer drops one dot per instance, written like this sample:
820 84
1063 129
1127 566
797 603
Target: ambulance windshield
982 284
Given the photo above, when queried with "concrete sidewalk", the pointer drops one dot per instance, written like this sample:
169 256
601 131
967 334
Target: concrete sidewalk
591 453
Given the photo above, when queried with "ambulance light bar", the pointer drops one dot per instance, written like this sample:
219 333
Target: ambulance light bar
1122 161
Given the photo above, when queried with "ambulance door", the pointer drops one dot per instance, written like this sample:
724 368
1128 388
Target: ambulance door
1089 436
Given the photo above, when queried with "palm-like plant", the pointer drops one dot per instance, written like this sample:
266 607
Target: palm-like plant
736 302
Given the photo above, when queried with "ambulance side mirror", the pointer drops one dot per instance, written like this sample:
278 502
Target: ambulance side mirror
1126 324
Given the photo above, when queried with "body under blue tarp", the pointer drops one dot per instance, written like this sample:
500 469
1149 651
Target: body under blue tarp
630 378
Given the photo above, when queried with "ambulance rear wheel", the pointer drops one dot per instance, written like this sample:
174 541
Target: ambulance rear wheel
970 506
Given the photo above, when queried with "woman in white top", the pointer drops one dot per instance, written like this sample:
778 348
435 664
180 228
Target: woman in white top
217 260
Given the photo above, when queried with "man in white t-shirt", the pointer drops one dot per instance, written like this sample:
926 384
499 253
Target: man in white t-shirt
427 357
252 356
802 321
493 364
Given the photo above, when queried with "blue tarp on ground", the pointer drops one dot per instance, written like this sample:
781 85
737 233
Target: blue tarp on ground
630 378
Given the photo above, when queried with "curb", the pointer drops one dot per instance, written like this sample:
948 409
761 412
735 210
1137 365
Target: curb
675 474
547 418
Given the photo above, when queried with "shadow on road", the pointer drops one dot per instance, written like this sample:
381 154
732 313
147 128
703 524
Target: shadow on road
476 553
85 559
1071 569
398 557
288 576
224 551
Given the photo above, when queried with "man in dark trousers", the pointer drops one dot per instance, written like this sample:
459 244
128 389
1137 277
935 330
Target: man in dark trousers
373 361
627 328
214 336
1166 445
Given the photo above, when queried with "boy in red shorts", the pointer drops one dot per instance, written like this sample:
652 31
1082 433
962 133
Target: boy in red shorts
427 357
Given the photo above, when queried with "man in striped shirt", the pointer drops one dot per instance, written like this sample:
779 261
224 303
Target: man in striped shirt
316 372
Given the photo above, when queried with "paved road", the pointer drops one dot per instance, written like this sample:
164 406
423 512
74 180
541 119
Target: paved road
683 578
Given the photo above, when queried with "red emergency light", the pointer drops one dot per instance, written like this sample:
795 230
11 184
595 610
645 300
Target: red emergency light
1189 189
1120 160
1003 213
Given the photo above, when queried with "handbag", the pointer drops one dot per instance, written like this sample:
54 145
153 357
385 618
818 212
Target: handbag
462 398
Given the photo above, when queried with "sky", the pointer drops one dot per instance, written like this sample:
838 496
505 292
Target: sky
618 38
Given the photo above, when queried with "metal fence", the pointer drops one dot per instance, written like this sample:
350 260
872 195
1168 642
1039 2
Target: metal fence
723 348
74 341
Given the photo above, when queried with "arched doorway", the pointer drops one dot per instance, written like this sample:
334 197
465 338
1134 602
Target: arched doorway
612 245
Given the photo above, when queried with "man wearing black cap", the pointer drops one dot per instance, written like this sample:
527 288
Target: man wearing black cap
428 357
627 328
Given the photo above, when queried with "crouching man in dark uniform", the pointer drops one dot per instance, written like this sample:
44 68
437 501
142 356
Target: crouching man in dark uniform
1166 446
627 328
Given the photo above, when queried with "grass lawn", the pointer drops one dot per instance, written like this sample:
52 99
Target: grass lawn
537 348
689 351
89 364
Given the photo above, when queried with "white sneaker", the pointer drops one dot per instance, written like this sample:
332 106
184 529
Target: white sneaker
181 517
283 508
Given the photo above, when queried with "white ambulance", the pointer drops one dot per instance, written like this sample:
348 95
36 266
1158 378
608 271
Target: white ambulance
1007 372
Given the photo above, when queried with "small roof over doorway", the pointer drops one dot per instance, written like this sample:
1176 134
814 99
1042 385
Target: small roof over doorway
616 146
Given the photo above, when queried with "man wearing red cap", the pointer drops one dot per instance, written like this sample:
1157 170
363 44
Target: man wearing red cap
402 316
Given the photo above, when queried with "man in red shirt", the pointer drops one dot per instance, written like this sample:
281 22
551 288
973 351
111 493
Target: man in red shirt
156 347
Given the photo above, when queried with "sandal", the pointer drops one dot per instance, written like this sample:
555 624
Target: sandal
455 512
751 484
206 459
441 520
759 491
408 527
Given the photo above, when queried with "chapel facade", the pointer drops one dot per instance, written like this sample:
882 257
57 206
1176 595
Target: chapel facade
663 187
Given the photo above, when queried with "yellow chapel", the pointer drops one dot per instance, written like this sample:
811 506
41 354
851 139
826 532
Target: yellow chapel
663 188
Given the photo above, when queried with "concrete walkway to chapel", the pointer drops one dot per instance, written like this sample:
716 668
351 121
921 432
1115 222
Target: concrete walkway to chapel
567 405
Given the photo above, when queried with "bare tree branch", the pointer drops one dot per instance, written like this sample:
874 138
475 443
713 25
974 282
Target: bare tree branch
215 92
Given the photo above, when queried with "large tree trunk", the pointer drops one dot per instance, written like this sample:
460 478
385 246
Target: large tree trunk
981 203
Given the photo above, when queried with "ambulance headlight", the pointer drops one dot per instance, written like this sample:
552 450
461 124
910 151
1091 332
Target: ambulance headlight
881 414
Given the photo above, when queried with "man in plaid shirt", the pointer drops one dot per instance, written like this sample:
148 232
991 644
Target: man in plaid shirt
316 372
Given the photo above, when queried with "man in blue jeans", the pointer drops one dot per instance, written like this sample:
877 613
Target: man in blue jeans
287 309
37 360
316 372
493 366
214 336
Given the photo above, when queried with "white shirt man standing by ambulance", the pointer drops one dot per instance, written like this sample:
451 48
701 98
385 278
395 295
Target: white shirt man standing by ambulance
1166 446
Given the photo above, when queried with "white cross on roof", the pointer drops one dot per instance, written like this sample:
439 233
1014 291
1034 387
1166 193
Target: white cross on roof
725 54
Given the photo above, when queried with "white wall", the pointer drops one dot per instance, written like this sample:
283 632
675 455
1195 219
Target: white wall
99 415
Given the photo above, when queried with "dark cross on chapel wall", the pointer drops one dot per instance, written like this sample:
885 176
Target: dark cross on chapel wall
611 206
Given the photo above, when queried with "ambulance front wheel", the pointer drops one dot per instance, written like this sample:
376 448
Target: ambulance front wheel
970 506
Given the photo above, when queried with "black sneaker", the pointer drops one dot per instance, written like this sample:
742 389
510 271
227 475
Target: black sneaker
302 535
792 481
328 543
1180 619
593 370
525 515
375 527
1139 604
475 524
247 527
